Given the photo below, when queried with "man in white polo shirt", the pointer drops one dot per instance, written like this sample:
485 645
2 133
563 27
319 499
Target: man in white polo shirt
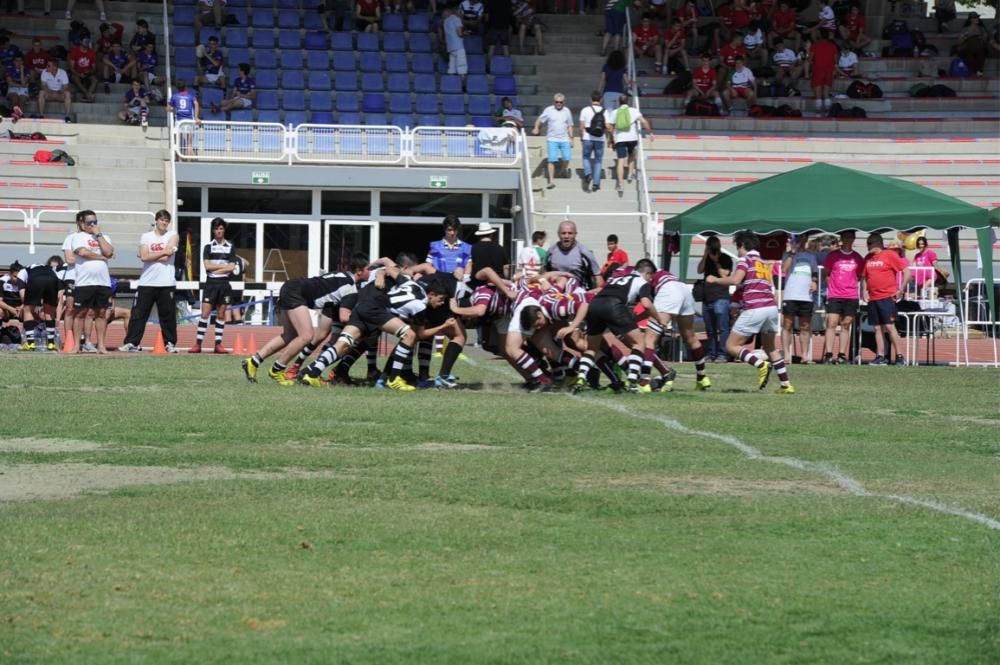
156 285
741 84
92 291
55 87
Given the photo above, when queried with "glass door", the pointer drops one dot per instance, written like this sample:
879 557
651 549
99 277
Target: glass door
345 238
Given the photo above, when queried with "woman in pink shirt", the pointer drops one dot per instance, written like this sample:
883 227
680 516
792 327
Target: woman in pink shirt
925 263
843 269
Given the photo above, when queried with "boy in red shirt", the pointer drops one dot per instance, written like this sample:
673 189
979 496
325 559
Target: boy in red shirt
83 69
783 22
646 41
881 287
674 45
823 60
36 59
853 29
728 54
704 82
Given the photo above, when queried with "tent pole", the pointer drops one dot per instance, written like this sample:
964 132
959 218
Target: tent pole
985 237
956 269
685 256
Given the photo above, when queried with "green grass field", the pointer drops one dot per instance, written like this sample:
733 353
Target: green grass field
163 510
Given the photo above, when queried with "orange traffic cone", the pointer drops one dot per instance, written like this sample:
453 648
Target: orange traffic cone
69 344
158 348
238 347
251 344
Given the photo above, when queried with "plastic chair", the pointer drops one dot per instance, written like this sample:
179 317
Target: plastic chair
345 82
397 62
479 105
265 60
392 23
425 83
344 61
320 100
451 84
292 79
317 60
267 79
368 41
453 104
477 85
370 62
400 103
373 103
293 100
289 39
319 81
422 63
342 41
263 39
420 43
372 83
427 104
394 42
316 41
399 83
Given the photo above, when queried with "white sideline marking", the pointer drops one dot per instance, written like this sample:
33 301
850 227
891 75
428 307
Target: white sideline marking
845 482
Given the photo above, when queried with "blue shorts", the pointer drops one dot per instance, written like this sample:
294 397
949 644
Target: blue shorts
614 21
560 150
882 312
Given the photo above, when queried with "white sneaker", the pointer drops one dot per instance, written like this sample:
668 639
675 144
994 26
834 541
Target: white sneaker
129 348
171 348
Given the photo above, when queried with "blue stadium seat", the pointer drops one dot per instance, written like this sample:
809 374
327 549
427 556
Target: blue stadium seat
292 59
289 4
265 59
396 62
183 36
343 61
240 14
392 22
504 85
317 60
376 118
477 85
267 100
473 45
425 83
398 83
373 103
451 84
288 19
483 121
479 105
294 118
370 62
235 56
266 4
269 116
477 64
263 19
351 118
184 57
292 79
185 74
429 120
289 39
322 118
267 79
319 81
263 39
442 65
207 32
394 42
211 96
235 38
454 120
312 21
453 104
347 103
342 41
422 63
316 41
241 115
501 65
320 100
418 23
427 104
345 81
372 83
293 100
368 41
186 3
420 43
400 103
403 120
183 16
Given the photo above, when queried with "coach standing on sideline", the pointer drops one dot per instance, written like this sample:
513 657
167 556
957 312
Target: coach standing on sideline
156 285
570 256
92 291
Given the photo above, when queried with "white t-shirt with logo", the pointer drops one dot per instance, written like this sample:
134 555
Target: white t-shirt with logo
90 272
742 79
67 246
157 273
847 61
785 58
587 115
55 82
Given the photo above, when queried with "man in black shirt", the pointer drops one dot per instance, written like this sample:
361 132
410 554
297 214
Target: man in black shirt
489 261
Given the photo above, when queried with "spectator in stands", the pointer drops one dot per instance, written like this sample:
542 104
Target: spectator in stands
614 24
626 133
208 12
827 20
340 10
18 87
499 18
526 19
118 67
532 259
558 121
755 44
973 43
786 62
740 84
853 30
367 15
704 82
8 51
674 54
568 255
715 308
472 14
847 63
801 267
843 270
783 22
55 87
71 3
83 69
37 59
453 33
507 114
244 92
184 106
735 17
614 80
646 41
617 257
728 54
156 285
594 135
141 38
211 70
110 34
146 65
688 17
944 13
135 106
925 262
823 61
881 287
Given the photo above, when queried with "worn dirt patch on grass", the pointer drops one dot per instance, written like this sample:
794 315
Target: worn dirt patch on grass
686 485
33 445
28 482
453 447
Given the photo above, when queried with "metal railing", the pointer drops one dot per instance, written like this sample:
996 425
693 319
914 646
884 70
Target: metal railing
529 193
979 317
649 222
225 141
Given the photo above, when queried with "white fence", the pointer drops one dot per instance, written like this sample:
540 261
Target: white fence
215 141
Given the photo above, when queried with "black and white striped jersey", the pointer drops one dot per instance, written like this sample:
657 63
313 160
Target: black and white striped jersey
328 289
407 298
219 253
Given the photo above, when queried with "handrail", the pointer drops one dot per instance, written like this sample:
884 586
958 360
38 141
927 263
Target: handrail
529 193
172 196
645 206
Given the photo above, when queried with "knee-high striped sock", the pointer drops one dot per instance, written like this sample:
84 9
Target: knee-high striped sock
50 331
751 358
29 331
528 366
327 358
400 359
648 357
781 370
562 365
699 362
220 327
304 353
202 329
256 360
585 365
372 357
634 366
424 350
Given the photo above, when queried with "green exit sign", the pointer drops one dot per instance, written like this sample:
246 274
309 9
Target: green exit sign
439 182
260 178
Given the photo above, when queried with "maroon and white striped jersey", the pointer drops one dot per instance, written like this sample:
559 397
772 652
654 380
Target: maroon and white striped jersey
497 304
756 284
560 306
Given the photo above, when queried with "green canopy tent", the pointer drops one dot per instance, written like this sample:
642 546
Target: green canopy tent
823 197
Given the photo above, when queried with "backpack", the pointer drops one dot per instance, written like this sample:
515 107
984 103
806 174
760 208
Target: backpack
861 90
679 84
786 111
958 69
761 111
936 90
776 89
701 107
25 136
623 118
596 127
896 27
10 335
